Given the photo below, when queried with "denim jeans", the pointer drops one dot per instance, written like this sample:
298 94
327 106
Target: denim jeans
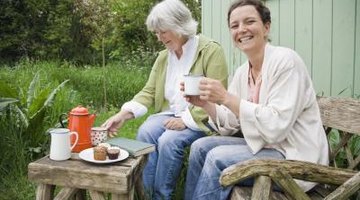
209 156
164 164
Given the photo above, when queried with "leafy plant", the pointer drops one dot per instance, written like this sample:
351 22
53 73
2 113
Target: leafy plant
30 107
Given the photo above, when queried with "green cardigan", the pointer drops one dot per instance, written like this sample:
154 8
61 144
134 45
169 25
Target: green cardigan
209 60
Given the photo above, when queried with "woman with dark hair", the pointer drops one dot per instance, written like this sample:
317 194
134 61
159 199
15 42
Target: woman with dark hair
270 101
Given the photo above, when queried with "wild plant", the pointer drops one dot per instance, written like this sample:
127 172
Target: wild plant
29 109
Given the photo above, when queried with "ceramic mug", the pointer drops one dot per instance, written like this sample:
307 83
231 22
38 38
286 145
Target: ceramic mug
98 135
191 84
60 147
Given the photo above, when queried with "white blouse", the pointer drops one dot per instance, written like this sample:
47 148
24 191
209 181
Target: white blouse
176 69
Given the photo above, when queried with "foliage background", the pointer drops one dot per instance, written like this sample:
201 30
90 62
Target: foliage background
78 31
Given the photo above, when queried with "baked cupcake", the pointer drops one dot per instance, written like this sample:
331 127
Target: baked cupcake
100 153
113 153
106 145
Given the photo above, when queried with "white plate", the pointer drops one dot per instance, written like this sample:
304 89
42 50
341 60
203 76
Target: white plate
88 155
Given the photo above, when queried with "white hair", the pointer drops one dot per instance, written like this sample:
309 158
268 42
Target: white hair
172 15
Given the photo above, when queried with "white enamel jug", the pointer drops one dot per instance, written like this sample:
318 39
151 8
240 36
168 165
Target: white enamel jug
60 147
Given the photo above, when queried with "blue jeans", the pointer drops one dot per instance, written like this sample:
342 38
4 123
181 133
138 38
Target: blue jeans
209 156
164 164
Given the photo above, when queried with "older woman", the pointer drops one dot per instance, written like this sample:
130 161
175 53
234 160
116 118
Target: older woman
176 123
271 101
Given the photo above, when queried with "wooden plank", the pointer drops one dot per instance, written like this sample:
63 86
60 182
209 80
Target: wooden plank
340 113
44 192
274 7
139 187
357 53
287 23
96 195
66 193
347 189
129 196
289 186
226 40
278 196
261 188
303 31
206 12
241 193
216 19
343 47
244 193
322 46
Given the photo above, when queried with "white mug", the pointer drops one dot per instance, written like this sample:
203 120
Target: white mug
191 84
60 147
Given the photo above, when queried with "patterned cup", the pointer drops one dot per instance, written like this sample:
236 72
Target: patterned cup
98 135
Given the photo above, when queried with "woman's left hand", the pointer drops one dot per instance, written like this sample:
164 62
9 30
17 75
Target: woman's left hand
174 123
194 100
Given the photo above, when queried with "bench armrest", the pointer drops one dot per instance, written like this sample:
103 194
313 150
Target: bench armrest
296 169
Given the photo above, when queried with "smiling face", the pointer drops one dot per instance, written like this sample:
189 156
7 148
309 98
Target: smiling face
171 40
247 30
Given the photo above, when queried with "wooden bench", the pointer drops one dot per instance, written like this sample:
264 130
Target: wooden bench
74 176
336 182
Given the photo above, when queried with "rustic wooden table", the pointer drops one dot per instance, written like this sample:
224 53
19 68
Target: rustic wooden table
75 176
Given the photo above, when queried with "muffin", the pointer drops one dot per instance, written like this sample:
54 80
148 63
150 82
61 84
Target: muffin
106 145
113 153
100 153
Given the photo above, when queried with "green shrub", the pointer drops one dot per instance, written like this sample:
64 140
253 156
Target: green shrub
82 32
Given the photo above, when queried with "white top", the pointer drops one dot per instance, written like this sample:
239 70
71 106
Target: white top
287 117
176 69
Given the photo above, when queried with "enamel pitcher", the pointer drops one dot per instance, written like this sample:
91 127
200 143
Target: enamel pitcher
60 147
80 121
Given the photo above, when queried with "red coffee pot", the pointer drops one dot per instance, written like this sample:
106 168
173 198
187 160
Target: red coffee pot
80 121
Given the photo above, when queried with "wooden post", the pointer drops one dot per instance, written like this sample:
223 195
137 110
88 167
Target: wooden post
347 189
286 182
262 188
45 192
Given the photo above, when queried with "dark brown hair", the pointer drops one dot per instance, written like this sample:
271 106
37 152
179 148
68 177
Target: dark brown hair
263 11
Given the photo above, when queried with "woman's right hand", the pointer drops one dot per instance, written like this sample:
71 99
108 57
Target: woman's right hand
212 90
116 121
